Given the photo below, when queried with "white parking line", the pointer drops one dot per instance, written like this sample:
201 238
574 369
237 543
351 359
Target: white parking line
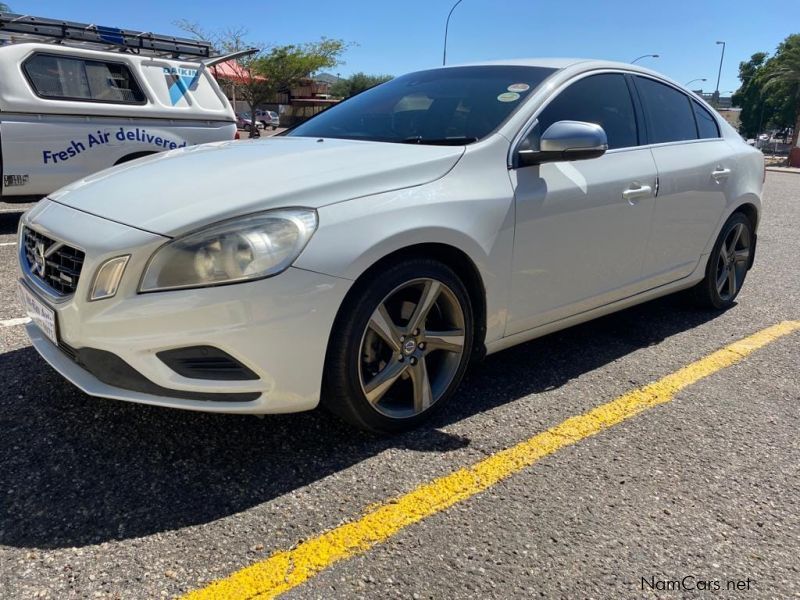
15 322
8 243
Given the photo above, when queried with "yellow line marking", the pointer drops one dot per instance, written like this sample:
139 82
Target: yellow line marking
287 569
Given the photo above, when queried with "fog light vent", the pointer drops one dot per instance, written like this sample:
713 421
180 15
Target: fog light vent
205 362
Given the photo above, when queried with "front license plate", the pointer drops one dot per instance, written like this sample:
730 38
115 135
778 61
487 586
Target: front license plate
42 315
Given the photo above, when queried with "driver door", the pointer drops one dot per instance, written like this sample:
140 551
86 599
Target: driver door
582 226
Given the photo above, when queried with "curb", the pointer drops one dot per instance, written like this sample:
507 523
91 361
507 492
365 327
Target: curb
784 170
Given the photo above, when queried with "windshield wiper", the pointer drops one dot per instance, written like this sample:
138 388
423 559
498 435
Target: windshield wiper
449 141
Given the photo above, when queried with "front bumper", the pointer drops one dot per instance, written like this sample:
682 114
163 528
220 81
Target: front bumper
277 327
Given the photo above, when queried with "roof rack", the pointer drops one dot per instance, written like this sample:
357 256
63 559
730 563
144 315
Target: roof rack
137 42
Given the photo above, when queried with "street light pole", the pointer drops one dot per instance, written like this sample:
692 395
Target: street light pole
719 73
644 56
446 27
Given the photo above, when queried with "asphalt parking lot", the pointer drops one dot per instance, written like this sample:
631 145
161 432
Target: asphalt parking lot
100 498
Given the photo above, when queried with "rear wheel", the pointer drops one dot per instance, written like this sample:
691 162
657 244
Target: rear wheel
728 264
400 347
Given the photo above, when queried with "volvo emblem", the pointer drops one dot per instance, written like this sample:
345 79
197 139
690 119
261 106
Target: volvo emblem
39 263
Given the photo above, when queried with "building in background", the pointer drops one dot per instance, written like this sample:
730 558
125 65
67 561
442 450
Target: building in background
293 106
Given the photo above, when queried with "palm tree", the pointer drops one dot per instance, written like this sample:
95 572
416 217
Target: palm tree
786 74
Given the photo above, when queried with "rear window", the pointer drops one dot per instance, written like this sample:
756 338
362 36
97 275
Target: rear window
66 78
706 124
668 111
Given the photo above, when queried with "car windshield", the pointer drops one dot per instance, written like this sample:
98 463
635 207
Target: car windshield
458 105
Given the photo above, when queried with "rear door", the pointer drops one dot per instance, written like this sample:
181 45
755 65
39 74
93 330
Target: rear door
694 165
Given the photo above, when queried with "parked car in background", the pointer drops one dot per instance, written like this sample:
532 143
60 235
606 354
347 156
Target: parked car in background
268 118
264 119
72 108
243 121
406 231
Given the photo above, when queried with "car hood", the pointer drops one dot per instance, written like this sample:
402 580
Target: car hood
176 191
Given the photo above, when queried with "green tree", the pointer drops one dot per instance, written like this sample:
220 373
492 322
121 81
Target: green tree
259 77
783 79
750 96
770 91
284 67
4 7
357 83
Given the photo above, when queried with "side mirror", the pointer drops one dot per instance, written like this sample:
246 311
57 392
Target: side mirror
566 140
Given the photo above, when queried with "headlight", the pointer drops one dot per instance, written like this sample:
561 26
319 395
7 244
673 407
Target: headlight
241 249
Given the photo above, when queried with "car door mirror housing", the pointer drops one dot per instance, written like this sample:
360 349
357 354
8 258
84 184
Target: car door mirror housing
566 140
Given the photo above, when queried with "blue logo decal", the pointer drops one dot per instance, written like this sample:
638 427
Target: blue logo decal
180 82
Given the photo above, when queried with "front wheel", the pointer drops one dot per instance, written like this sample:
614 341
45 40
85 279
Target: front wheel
728 264
400 347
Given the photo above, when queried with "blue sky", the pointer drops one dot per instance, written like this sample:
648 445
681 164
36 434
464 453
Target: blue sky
396 37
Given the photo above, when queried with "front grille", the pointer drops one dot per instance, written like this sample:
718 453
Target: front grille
53 263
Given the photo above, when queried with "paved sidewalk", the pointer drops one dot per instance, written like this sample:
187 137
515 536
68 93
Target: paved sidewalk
784 169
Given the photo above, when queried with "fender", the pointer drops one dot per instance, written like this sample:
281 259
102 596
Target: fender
732 207
482 229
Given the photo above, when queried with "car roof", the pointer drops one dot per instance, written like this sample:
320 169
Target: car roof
570 67
553 63
561 63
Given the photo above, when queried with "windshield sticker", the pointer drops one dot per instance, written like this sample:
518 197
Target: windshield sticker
508 97
518 87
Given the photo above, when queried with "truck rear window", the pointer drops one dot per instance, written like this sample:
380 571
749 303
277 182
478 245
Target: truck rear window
64 78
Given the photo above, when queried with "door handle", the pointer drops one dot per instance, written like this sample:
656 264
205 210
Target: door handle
720 173
637 191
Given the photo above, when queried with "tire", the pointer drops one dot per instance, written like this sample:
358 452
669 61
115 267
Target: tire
726 270
392 387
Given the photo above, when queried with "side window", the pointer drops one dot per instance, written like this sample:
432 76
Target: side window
602 99
668 112
706 124
64 78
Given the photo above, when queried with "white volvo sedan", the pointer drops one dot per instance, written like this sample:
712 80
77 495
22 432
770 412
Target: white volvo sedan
440 216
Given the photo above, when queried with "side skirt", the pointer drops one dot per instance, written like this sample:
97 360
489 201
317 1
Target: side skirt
542 330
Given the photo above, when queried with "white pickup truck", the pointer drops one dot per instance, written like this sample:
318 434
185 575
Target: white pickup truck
98 98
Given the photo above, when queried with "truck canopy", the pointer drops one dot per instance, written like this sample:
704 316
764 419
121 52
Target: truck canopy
45 78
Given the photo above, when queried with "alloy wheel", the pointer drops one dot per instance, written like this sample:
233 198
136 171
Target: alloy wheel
411 348
733 260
